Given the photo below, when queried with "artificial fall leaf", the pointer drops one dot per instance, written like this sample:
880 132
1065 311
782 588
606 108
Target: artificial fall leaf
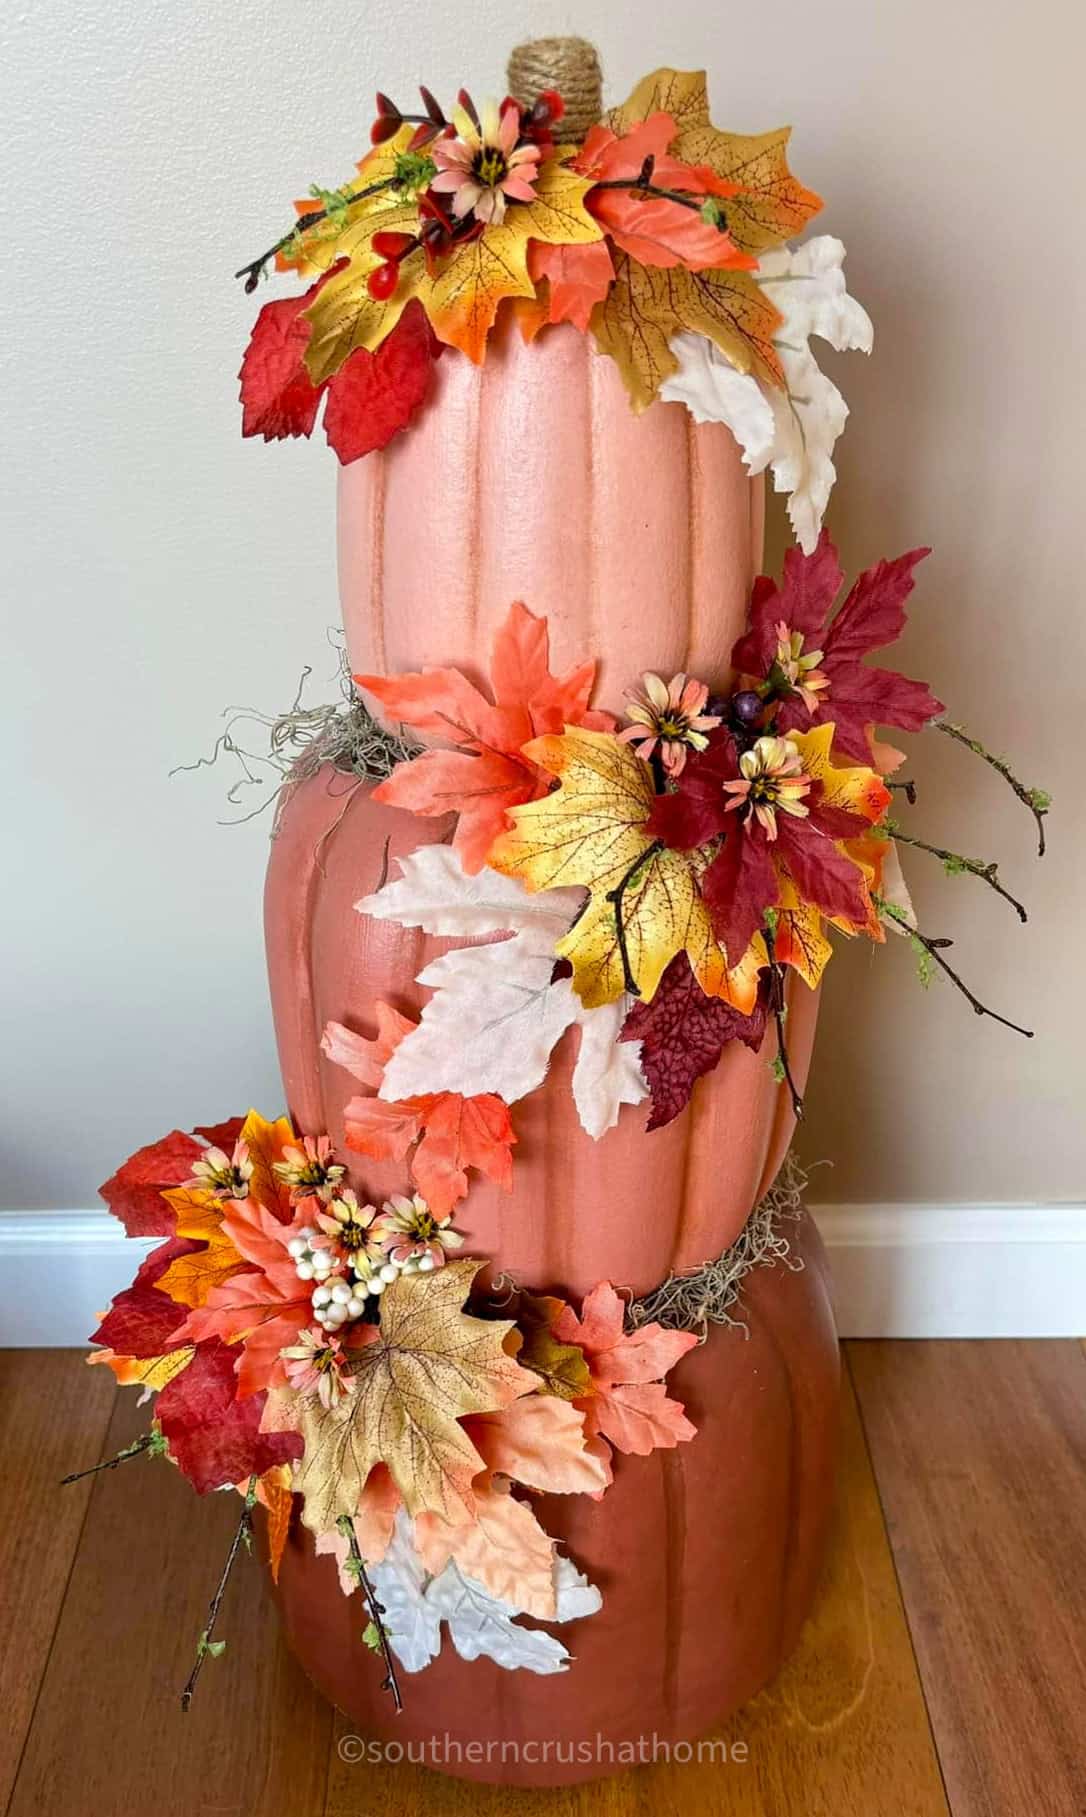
274 1491
683 1034
561 1367
191 1277
792 430
266 1142
630 1407
872 615
278 397
134 1192
147 1372
502 1546
215 1437
508 989
461 298
768 205
262 1310
375 395
538 1441
450 1131
487 774
799 938
592 831
654 229
577 278
141 1320
647 307
428 1365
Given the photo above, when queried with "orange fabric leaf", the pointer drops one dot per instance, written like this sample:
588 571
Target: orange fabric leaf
578 278
539 1441
504 1548
630 1407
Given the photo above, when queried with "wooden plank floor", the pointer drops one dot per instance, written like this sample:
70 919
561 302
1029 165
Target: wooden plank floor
960 1489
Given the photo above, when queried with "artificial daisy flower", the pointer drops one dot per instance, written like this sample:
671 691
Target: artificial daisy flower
227 1176
309 1169
771 781
669 715
483 168
797 669
348 1230
412 1236
317 1361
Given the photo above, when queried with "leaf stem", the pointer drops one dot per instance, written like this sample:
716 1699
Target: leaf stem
935 947
376 1612
1036 800
254 270
615 896
954 861
777 1005
205 1645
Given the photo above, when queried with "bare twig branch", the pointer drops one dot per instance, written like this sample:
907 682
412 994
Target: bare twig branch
615 896
1036 800
953 861
779 1008
148 1441
205 1645
934 947
376 1613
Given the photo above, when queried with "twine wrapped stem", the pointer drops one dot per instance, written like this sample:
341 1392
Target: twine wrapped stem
572 67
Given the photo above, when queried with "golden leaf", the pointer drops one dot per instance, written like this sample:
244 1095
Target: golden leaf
427 1366
151 1372
800 940
770 206
190 1278
563 1368
643 897
462 298
266 1142
647 305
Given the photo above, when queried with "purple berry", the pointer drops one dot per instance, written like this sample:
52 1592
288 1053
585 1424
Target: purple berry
746 706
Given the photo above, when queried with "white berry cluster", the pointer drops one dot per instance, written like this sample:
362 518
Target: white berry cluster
338 1298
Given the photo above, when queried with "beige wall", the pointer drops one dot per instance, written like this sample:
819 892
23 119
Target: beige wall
156 569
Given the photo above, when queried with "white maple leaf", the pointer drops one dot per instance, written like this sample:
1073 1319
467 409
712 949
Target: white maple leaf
793 431
480 1625
497 1011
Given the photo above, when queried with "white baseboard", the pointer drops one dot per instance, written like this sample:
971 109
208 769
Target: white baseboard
908 1271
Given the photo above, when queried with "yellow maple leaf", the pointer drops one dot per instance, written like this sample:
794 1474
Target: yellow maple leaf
645 903
314 249
461 299
770 205
190 1278
266 1142
646 305
426 1366
151 1372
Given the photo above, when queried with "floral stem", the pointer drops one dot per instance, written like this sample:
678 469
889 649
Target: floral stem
644 184
376 1613
615 896
988 873
777 1005
205 1645
253 272
1036 800
934 947
145 1442
908 789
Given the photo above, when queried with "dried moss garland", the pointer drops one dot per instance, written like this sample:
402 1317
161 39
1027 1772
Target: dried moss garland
706 1296
343 734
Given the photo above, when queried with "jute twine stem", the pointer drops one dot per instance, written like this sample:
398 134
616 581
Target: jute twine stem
572 67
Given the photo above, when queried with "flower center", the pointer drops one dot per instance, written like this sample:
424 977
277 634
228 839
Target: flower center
490 166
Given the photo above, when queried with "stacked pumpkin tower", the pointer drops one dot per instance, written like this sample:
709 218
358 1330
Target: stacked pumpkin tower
547 912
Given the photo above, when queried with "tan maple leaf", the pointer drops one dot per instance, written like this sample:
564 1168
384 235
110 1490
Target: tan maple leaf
770 205
427 1365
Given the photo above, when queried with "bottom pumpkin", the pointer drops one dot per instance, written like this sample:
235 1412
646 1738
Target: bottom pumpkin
707 1557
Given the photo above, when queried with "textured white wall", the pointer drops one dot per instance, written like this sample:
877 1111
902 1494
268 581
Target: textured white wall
156 569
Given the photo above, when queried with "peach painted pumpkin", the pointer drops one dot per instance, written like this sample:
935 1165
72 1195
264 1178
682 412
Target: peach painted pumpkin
530 478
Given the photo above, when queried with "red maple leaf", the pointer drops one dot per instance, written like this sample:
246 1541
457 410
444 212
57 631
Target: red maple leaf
215 1437
486 774
134 1192
141 1320
374 395
683 1034
858 697
370 398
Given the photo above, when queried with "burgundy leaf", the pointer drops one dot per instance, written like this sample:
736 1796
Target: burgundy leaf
683 1033
221 1135
213 1437
141 1319
374 395
738 887
822 873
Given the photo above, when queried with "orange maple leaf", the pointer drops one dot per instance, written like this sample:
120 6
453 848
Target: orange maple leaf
486 773
655 229
450 1133
629 1406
